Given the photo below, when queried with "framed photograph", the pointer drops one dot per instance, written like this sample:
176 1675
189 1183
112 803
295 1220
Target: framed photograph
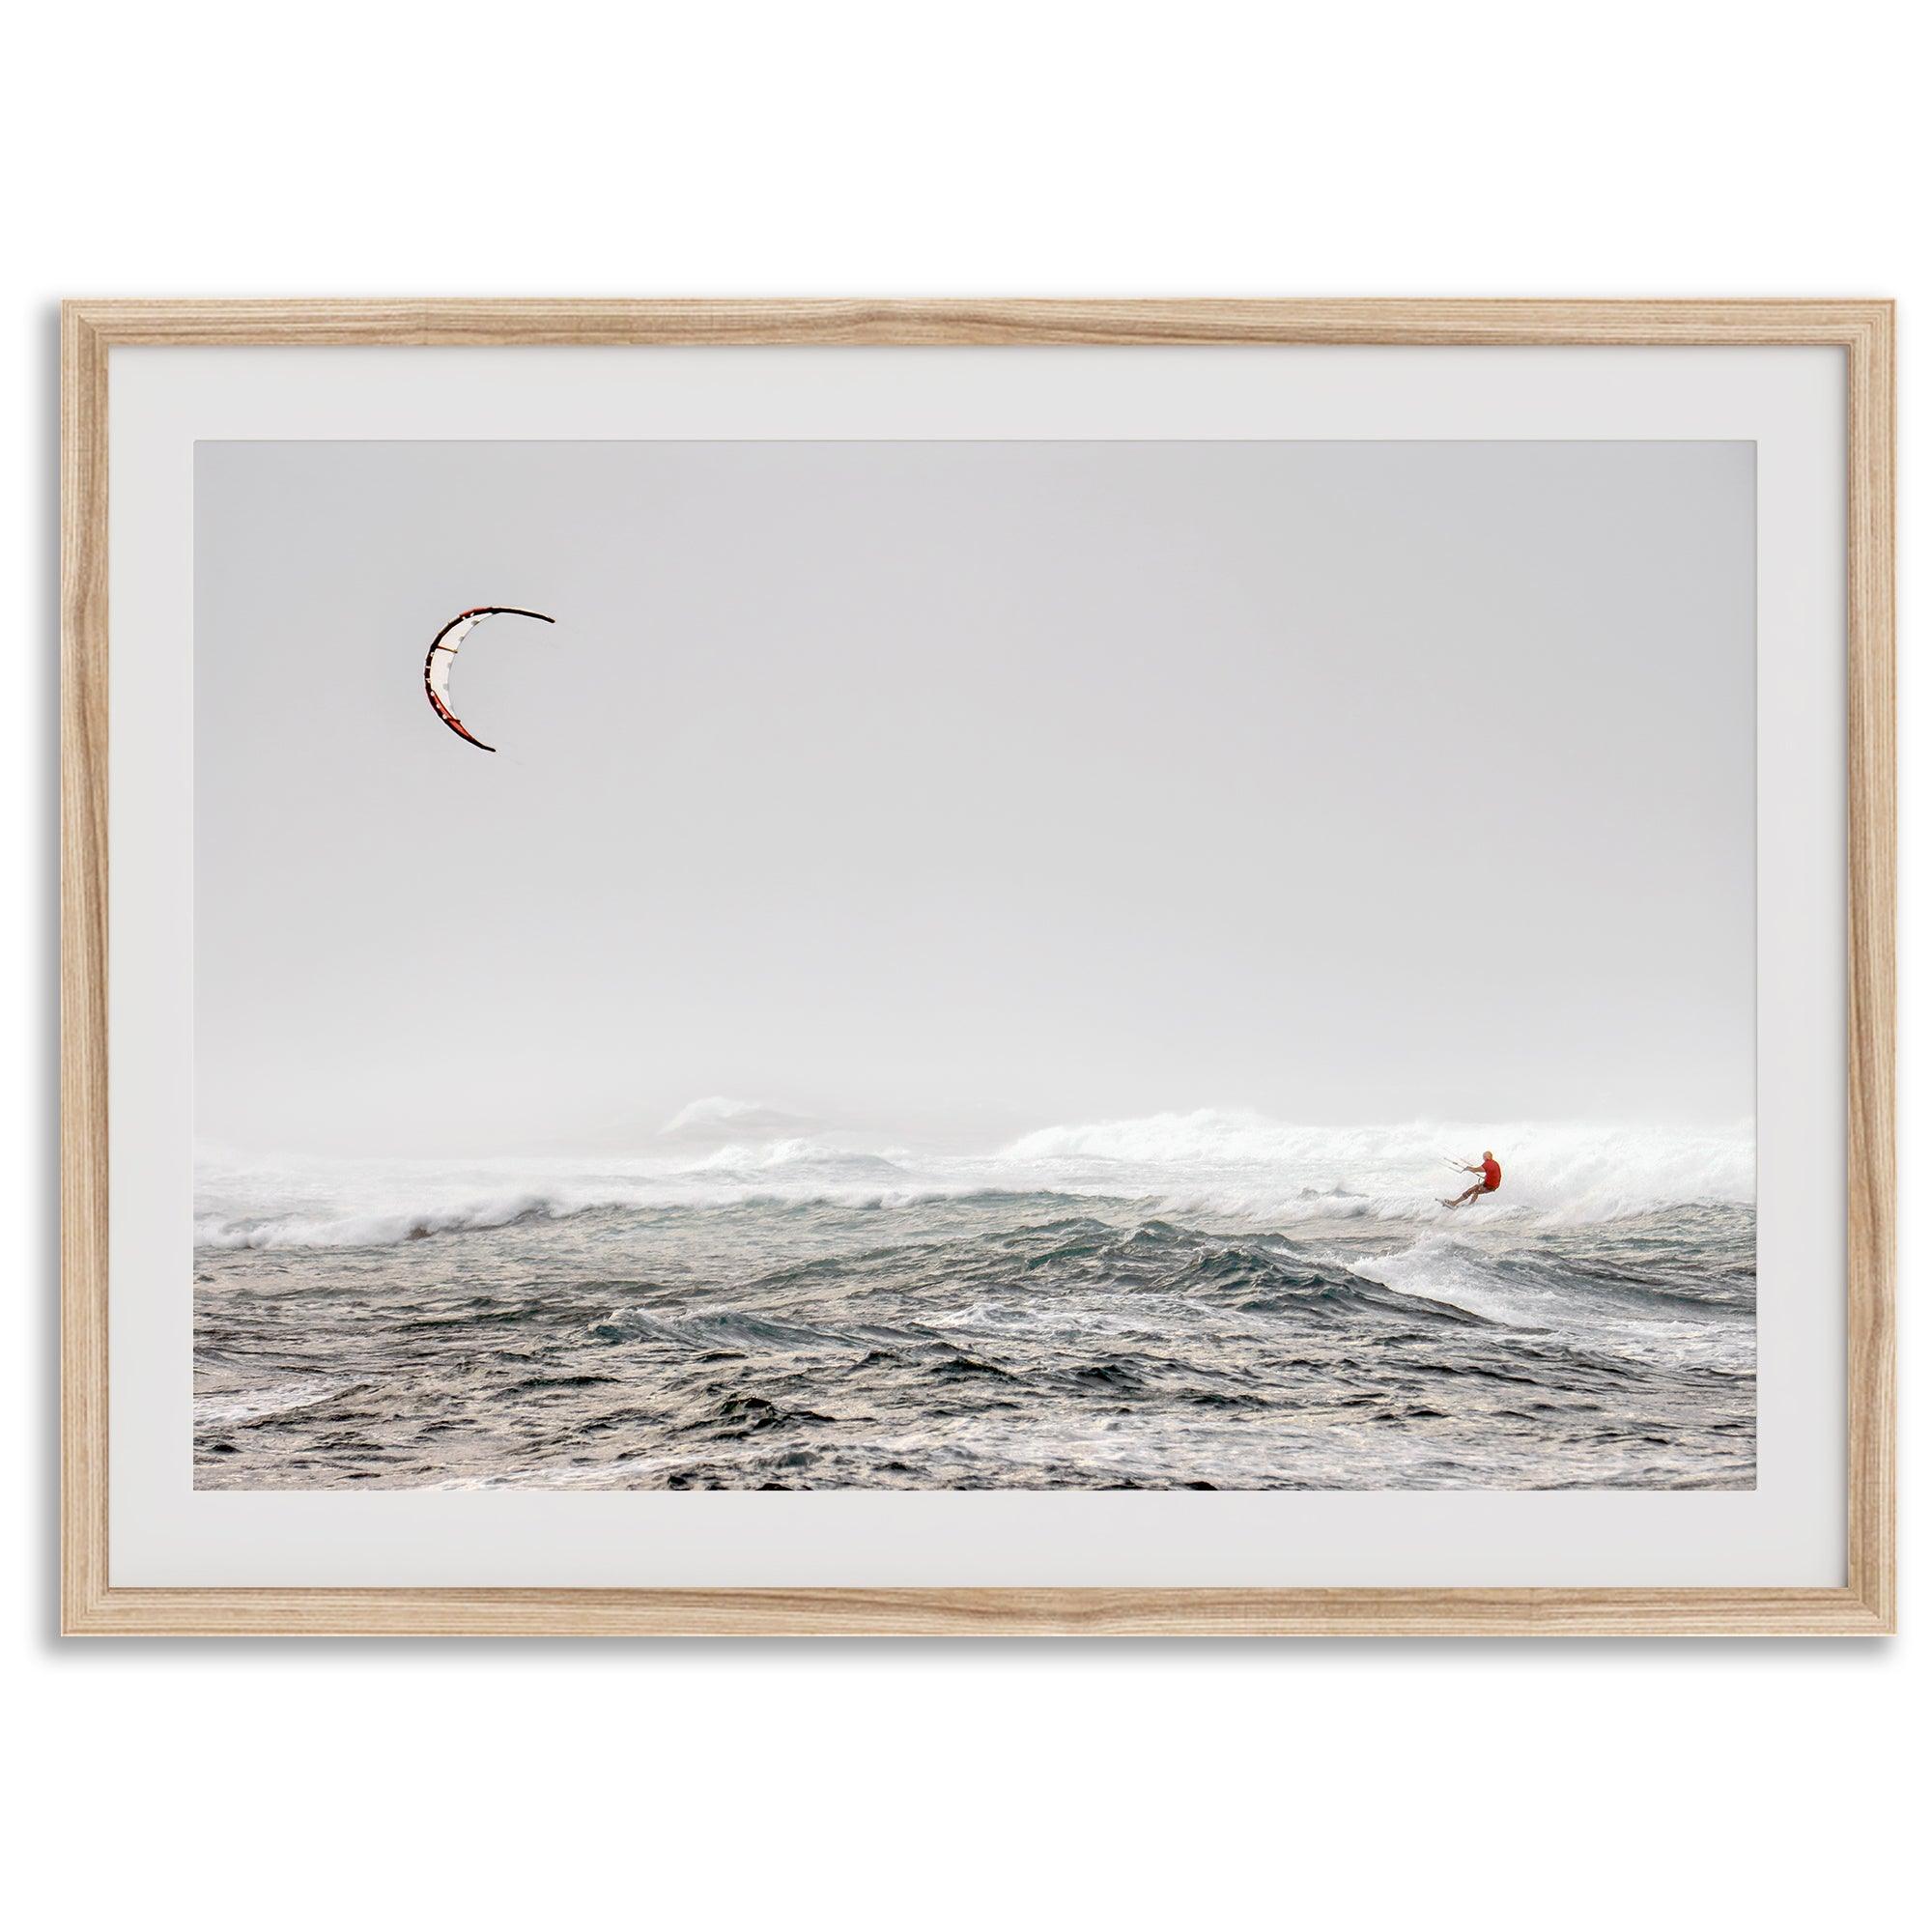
985 967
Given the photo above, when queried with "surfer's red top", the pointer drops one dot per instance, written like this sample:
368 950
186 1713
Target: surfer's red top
1493 1173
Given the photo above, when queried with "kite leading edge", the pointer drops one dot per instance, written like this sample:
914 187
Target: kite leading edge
443 656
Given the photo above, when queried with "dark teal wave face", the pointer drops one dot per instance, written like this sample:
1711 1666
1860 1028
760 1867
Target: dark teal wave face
1027 1339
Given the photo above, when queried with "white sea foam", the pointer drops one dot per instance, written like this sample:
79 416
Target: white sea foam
348 1228
1222 1166
1246 1164
234 1405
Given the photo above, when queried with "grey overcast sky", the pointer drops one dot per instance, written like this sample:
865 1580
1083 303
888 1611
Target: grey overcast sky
970 786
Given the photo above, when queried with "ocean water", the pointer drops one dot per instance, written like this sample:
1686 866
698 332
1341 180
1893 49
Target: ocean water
1203 1300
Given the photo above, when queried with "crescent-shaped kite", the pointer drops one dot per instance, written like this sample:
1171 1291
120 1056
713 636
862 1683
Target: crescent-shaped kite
442 655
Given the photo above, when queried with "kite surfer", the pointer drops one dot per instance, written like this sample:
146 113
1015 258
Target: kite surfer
1489 1173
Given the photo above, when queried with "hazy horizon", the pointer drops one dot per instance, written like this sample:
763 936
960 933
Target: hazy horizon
967 789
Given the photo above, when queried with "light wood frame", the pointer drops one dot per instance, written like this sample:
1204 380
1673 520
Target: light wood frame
1866 1603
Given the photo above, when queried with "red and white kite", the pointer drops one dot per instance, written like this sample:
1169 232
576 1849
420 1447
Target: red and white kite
442 655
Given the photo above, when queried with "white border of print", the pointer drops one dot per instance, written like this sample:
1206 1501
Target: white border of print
1789 1531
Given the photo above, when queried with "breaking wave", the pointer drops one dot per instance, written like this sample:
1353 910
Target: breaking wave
1248 1165
1225 1167
718 1117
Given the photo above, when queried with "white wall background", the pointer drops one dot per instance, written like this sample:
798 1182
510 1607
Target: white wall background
1054 149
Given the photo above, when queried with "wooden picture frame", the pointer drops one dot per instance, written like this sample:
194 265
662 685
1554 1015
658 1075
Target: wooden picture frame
1866 1604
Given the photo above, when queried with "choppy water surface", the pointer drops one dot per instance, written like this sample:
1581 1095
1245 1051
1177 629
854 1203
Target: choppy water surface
1198 1301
